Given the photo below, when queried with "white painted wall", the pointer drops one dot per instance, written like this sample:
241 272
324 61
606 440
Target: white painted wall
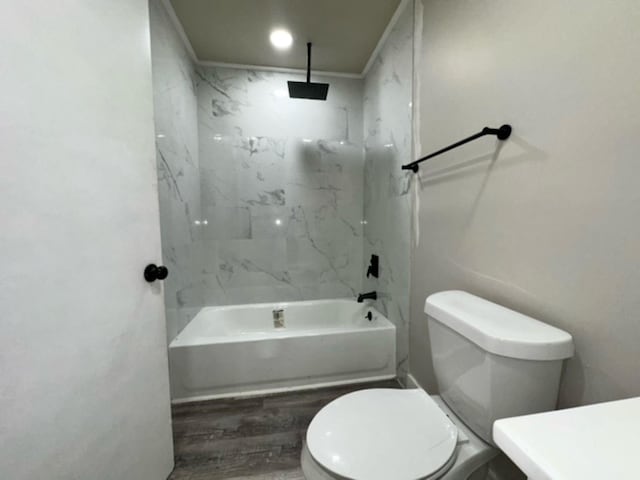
83 371
551 225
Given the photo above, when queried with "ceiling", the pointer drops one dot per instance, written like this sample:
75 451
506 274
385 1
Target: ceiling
344 32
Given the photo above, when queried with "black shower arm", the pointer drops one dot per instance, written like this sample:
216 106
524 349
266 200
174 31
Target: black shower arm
502 133
308 62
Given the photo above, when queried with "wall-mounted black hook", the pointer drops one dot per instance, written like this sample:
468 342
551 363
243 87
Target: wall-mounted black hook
153 272
374 266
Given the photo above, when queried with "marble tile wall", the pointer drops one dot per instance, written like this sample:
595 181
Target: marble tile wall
176 121
262 197
281 188
388 91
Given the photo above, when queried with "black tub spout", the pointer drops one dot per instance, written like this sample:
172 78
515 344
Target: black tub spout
367 296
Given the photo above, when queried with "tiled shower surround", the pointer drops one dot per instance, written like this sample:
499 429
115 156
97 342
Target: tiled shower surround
281 188
264 198
176 121
388 93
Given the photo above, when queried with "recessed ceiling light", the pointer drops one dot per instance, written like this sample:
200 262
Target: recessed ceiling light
281 39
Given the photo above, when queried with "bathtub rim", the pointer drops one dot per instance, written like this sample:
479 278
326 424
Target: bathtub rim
283 304
178 342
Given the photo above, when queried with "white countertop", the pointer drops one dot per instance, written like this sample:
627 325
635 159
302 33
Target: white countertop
595 442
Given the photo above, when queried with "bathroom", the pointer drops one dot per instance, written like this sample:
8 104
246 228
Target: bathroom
210 275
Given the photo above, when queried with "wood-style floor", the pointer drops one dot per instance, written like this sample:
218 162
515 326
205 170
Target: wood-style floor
256 438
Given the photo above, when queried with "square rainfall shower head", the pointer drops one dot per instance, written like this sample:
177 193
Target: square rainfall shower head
308 90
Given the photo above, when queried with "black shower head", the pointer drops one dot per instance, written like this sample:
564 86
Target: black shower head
308 90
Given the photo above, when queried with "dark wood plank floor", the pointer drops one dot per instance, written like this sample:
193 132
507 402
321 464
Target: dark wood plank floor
249 439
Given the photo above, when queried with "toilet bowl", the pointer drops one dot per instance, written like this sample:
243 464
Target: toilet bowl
490 362
383 434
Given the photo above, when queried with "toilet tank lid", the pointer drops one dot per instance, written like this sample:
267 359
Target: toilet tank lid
497 329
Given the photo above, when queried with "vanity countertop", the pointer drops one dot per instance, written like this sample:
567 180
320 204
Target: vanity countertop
594 442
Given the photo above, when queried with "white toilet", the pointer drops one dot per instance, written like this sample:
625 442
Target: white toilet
490 362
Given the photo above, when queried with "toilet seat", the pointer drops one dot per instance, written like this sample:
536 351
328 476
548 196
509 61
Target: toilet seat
382 434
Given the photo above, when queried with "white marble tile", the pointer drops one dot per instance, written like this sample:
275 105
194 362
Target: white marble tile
257 103
387 206
295 169
270 221
176 123
224 223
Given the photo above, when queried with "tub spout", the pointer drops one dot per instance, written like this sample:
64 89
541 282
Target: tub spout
367 296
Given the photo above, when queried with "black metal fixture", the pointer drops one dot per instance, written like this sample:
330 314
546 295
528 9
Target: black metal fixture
369 315
367 296
502 133
309 90
374 266
153 272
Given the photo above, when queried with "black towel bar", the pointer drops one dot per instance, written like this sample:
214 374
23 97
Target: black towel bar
502 133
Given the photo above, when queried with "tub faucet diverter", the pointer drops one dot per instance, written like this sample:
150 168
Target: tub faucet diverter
367 296
278 318
374 266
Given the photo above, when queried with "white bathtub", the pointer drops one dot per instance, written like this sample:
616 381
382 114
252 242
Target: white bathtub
237 350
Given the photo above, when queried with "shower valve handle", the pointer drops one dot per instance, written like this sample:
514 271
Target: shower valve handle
153 272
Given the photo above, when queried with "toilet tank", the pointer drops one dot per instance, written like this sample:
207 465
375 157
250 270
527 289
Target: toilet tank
491 362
